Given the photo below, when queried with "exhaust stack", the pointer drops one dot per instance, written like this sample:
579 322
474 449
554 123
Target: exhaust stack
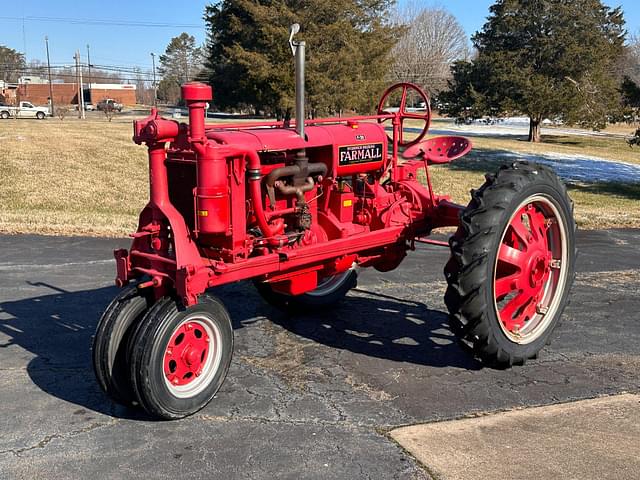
298 50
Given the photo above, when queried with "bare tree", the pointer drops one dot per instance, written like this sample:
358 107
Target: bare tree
144 91
109 112
631 59
433 40
61 111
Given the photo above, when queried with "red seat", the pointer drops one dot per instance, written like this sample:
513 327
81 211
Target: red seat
439 149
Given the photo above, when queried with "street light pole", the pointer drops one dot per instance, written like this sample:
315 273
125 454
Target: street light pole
89 65
155 88
79 80
46 41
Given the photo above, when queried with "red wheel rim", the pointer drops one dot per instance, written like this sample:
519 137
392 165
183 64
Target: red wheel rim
186 353
530 269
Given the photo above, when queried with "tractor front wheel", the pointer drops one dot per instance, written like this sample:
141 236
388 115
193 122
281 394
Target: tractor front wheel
110 358
330 290
512 264
180 356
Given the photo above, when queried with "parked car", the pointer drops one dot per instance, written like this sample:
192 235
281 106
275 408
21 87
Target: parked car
88 107
109 103
24 110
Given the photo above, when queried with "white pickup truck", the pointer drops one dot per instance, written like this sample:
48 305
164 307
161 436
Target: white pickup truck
24 110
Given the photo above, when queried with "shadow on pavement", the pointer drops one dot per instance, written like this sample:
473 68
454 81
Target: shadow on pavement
383 326
58 330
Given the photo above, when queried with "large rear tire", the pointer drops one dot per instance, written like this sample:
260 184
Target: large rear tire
180 356
109 350
512 264
329 292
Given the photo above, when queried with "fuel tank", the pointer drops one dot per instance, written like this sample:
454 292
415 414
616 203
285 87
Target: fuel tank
356 147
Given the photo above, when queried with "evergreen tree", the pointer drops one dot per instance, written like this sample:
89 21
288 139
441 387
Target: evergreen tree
545 59
181 62
630 93
250 63
12 64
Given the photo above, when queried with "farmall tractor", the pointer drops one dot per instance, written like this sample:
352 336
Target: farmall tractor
298 209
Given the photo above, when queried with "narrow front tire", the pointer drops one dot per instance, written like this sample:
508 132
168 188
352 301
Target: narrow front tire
109 349
180 356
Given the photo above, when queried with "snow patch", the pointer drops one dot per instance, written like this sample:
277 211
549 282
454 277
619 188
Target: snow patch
578 168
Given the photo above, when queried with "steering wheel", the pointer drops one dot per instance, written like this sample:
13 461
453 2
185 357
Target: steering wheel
403 114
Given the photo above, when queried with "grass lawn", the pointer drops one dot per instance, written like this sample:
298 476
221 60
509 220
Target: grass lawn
71 177
88 177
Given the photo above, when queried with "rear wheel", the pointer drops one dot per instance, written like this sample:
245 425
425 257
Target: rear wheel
512 264
40 116
109 351
330 290
180 356
4 115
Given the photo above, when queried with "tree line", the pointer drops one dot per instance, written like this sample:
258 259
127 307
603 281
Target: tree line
570 62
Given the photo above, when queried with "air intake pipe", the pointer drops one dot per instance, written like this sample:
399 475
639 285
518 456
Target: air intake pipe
212 191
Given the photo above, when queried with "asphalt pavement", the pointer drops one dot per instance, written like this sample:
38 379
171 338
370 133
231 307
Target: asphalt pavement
307 396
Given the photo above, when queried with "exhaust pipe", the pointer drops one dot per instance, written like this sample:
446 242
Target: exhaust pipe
298 50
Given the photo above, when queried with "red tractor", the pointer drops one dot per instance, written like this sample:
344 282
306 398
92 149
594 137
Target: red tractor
296 208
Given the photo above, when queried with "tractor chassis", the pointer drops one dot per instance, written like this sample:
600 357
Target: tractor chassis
187 270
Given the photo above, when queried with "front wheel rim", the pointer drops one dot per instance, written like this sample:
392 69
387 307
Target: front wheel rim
192 357
530 270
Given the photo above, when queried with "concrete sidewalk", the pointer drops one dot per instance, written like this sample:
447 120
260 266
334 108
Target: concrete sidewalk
588 439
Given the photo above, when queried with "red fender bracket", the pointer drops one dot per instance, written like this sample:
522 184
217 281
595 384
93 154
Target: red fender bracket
123 266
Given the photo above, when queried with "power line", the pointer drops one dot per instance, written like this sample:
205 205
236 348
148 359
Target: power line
103 22
66 74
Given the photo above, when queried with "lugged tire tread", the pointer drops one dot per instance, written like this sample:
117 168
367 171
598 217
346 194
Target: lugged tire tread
466 271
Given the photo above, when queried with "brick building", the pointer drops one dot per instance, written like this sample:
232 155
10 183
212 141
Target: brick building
38 93
124 94
67 93
8 92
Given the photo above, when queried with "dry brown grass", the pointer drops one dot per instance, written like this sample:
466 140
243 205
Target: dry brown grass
70 177
75 177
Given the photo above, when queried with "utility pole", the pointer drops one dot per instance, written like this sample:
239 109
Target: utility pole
89 65
155 88
24 36
79 80
46 41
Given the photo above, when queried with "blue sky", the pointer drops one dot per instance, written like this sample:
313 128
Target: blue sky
127 45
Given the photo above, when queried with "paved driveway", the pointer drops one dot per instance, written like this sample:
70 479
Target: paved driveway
306 397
